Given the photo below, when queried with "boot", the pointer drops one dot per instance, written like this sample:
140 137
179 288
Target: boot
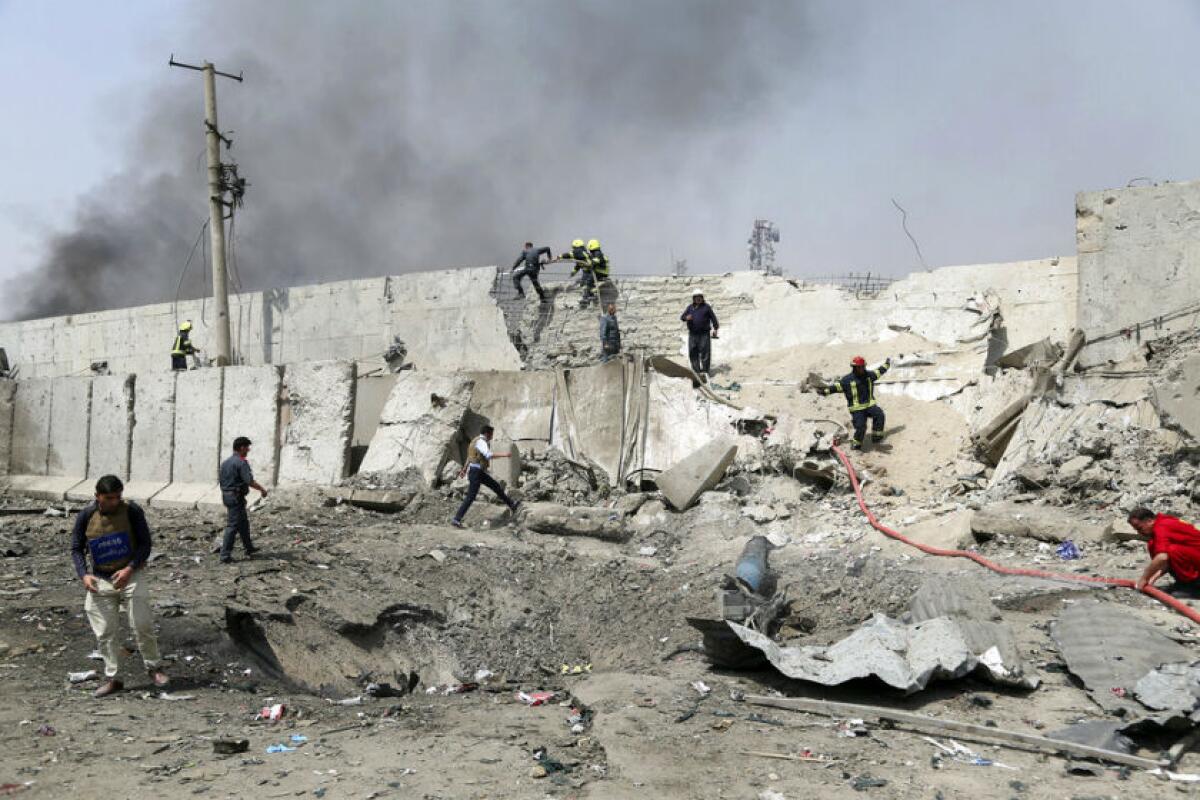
110 686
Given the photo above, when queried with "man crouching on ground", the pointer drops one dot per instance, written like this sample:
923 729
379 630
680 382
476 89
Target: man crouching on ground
115 535
1174 547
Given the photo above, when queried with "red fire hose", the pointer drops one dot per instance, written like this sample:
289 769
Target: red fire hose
1157 594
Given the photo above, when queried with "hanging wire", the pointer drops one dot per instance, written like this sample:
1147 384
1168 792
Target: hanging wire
183 272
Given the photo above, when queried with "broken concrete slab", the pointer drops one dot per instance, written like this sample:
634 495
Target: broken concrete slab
905 657
506 470
111 429
1109 648
1178 397
1097 733
686 480
1044 523
1171 687
317 419
183 495
388 501
420 427
1039 354
153 437
559 520
43 487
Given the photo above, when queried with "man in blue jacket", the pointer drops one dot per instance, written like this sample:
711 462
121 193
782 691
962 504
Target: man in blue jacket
702 326
116 537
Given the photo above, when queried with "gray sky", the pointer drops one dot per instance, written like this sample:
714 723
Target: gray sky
384 137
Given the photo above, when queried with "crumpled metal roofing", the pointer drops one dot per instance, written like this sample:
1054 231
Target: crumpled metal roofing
1109 648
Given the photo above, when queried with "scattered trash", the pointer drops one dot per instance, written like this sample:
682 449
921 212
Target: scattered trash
1067 551
701 687
647 551
81 677
437 555
14 788
484 675
535 698
575 669
299 738
54 512
169 696
965 755
46 730
349 701
280 748
229 747
852 728
1119 691
272 713
452 688
864 782
1182 777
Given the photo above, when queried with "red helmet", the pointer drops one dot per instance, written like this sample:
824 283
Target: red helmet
858 361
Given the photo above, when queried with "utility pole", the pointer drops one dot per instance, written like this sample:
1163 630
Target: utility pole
217 186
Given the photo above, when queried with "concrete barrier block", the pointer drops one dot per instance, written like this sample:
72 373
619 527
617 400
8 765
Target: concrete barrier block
183 495
153 435
111 429
52 488
138 491
420 426
507 470
197 427
687 479
319 414
31 426
70 419
8 390
251 409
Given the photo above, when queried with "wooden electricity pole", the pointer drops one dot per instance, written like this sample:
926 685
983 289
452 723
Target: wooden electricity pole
216 206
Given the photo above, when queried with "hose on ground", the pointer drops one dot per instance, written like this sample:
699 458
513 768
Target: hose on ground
1158 594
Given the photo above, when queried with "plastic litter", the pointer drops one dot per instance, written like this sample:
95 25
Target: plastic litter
272 713
349 701
701 687
575 669
229 747
280 748
81 677
46 730
1067 551
299 738
535 698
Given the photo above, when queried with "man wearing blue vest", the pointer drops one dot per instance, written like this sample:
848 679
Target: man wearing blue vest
859 389
114 534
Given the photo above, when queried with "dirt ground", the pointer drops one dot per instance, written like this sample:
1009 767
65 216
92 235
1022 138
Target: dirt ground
340 597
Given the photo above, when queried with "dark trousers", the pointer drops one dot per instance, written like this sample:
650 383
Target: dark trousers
699 350
178 362
237 522
875 414
476 476
588 280
609 349
525 272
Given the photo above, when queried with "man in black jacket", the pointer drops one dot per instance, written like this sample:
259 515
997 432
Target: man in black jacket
528 265
702 326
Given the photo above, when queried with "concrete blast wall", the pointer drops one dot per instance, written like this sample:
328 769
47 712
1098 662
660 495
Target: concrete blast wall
250 408
111 428
30 427
1139 261
318 415
8 390
153 439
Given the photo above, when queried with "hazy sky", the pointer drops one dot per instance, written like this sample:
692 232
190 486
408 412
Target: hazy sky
383 137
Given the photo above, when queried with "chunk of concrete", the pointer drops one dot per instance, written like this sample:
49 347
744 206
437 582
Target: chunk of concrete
506 470
181 495
388 501
317 419
44 487
1044 523
421 425
687 479
153 437
111 429
70 418
559 520
197 426
1178 397
250 408
31 426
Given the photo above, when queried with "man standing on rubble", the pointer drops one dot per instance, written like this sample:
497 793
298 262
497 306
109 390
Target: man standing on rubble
859 389
479 458
237 479
529 264
1174 547
610 334
702 326
116 536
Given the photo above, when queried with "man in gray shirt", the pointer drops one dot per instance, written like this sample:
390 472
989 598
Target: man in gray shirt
237 479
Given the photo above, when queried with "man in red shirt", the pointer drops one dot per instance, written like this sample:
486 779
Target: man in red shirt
1174 547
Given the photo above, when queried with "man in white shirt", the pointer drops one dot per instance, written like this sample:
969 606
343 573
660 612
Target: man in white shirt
479 458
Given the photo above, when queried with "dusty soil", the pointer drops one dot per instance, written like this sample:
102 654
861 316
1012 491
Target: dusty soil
341 597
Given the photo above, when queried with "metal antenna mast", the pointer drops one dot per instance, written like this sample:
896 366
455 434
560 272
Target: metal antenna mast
762 247
222 179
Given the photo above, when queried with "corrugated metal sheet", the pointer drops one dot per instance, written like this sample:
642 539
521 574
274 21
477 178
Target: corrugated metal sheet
1109 648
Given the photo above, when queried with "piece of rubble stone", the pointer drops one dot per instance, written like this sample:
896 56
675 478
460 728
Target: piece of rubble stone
420 426
687 479
559 520
1178 397
1072 468
1044 523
